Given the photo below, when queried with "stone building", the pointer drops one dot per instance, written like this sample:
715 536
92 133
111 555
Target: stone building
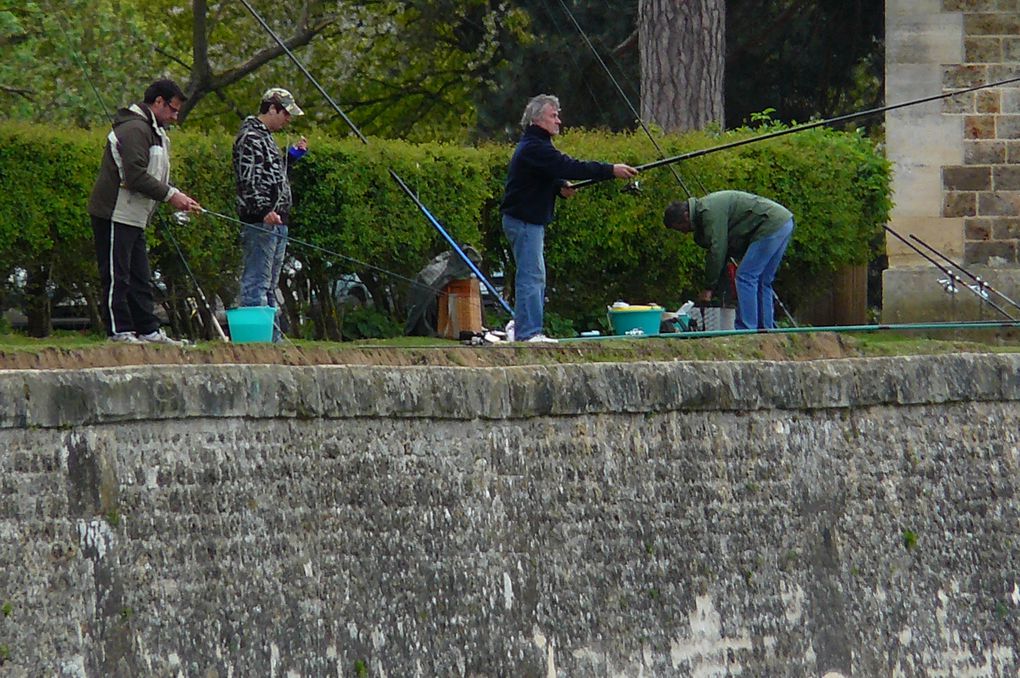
957 182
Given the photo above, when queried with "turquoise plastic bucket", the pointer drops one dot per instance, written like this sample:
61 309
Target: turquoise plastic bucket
250 324
629 318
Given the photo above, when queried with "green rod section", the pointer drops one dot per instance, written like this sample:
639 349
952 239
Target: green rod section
962 325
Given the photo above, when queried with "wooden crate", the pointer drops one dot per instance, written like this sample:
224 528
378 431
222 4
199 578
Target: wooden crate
460 308
844 302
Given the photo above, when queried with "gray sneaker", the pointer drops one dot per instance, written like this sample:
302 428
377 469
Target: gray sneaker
541 339
125 338
159 337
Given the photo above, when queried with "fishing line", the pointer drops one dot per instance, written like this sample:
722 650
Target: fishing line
612 78
354 128
577 64
183 218
79 59
216 324
800 128
953 281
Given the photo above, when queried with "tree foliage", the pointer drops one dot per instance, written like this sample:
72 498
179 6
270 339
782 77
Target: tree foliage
554 59
803 58
55 62
398 69
417 69
402 69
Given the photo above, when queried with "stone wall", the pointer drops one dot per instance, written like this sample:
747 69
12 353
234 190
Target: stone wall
956 185
838 518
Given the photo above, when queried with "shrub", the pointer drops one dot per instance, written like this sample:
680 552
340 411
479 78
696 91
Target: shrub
352 218
605 245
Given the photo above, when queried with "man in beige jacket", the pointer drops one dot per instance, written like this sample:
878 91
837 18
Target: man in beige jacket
133 179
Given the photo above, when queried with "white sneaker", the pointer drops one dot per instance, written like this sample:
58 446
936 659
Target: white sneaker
159 337
541 339
124 338
509 331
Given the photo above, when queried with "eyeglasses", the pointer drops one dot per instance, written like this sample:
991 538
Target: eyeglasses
175 109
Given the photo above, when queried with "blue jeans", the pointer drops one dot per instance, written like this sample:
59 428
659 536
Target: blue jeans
264 251
755 274
527 241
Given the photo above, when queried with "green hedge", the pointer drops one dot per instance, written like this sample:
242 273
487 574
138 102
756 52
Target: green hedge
604 245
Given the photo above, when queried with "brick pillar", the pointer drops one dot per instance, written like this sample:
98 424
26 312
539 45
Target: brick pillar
956 185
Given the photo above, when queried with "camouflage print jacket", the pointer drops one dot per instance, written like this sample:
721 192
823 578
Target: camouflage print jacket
261 172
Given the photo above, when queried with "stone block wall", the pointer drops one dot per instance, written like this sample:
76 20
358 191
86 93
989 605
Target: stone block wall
955 184
984 189
838 518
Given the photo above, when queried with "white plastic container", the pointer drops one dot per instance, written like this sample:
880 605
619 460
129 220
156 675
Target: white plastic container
713 318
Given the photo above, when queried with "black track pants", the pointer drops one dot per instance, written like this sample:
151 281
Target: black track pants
127 302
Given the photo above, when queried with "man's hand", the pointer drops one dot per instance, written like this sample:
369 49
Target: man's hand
706 295
566 190
182 202
273 218
621 171
298 150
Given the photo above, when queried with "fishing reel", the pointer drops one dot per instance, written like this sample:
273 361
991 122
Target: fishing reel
948 285
633 188
980 290
180 218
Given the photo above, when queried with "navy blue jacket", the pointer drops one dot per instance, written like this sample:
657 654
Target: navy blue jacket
537 172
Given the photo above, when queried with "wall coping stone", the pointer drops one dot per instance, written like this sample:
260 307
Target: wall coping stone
66 398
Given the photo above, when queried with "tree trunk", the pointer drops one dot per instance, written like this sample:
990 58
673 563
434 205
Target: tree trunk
683 59
37 301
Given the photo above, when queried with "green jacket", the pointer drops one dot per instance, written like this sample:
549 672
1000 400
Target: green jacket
726 222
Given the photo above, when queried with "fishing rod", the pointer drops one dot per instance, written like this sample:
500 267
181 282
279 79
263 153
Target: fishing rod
212 314
184 217
626 99
800 128
789 316
400 182
981 284
836 329
953 281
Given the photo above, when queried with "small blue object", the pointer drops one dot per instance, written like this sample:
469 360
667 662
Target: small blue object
646 319
251 324
296 153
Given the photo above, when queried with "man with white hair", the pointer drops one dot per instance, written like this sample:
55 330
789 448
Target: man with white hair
263 196
537 174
